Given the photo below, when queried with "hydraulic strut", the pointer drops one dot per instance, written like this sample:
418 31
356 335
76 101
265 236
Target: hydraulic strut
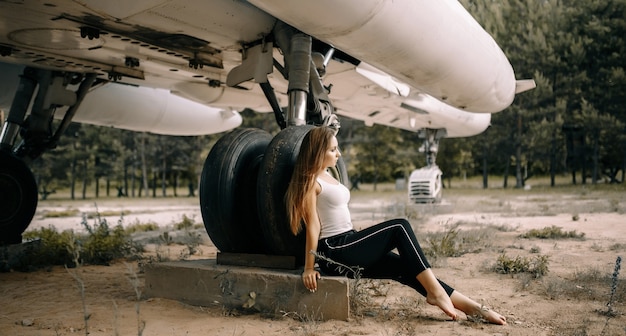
21 100
50 91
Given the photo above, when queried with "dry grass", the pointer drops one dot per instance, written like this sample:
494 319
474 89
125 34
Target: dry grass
455 242
553 232
62 213
591 286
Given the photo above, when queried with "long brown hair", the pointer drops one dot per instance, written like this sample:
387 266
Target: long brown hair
309 162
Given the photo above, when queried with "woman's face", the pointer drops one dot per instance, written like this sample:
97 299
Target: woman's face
332 154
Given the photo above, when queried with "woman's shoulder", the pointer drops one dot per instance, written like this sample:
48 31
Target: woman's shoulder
327 178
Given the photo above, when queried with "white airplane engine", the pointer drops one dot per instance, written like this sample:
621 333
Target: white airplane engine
462 66
151 110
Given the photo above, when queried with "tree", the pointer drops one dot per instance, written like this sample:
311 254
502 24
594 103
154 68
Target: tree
600 85
375 153
455 158
575 52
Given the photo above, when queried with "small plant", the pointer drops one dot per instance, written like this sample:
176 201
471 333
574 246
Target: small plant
103 244
590 284
51 250
186 223
165 238
553 232
100 245
192 240
444 245
537 266
610 313
162 254
136 283
74 249
358 300
455 243
310 322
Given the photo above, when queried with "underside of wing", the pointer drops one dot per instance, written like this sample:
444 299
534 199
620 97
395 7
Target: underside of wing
364 93
396 63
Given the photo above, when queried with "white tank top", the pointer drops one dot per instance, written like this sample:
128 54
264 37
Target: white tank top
332 209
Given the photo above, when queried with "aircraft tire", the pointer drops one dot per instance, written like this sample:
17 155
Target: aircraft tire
18 198
228 191
274 175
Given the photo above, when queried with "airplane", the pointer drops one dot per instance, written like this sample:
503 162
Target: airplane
188 67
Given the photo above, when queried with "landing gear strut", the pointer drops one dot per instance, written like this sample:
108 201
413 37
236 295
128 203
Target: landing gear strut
18 190
234 228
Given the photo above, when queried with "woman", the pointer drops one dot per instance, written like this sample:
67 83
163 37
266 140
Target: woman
321 202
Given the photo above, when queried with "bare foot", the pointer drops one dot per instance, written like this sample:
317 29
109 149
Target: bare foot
490 315
443 302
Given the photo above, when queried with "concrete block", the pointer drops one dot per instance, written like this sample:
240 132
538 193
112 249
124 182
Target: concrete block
205 283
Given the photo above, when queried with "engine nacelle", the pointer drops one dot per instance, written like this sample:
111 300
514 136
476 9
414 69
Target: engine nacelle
435 46
151 110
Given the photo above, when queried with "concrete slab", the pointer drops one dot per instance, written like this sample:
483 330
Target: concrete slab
205 283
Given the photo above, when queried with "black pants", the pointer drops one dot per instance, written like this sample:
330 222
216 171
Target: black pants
371 250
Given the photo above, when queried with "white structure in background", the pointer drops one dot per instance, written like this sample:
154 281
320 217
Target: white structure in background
425 185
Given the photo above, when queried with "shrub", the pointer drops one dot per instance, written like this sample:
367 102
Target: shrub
537 266
103 244
186 223
552 232
444 245
455 243
100 246
51 249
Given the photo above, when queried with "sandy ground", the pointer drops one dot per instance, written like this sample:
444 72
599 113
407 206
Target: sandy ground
48 302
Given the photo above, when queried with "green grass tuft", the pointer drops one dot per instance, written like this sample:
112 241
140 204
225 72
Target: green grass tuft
537 266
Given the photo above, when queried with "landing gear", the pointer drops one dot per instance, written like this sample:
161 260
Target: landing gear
274 177
41 91
242 196
18 198
242 190
228 191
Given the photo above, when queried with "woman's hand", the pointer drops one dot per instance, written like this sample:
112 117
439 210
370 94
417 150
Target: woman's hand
309 278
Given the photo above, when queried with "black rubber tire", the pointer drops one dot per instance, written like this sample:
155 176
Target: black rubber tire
18 198
228 191
274 176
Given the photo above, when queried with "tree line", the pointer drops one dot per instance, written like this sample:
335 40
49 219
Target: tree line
575 120
573 123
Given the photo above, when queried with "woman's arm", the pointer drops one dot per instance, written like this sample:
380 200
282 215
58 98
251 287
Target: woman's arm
310 275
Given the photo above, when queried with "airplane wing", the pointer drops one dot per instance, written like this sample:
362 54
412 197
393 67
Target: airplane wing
186 67
187 48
